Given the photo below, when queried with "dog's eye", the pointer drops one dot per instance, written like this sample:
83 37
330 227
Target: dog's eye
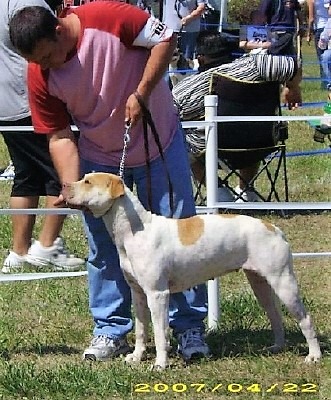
87 182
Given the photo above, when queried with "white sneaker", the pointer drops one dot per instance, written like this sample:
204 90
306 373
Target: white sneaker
224 195
191 344
8 173
103 348
247 196
56 255
13 263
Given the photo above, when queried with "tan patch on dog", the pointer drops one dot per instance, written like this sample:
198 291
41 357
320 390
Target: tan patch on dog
269 226
190 230
228 215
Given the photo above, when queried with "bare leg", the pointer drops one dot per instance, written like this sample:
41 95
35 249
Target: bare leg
247 174
52 224
22 225
198 170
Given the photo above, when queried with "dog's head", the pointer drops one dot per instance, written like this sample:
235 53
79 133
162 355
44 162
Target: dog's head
96 191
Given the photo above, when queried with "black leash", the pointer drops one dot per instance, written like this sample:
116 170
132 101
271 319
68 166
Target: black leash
148 120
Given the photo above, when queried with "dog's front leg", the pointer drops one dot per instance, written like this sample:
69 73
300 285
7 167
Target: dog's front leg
158 303
141 326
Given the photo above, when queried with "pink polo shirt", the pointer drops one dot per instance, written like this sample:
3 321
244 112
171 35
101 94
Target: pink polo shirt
94 84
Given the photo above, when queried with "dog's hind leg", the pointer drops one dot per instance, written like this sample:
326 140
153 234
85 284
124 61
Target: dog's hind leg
267 300
158 303
141 326
286 288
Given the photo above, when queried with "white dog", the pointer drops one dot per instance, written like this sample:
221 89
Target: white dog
161 255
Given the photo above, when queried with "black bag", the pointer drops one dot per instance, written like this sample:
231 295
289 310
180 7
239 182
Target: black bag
210 19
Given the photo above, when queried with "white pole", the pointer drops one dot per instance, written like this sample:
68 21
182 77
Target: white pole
223 14
211 102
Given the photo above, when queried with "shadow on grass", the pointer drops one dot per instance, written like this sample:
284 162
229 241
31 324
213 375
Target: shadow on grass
244 342
40 350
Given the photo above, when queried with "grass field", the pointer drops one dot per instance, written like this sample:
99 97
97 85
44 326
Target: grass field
45 325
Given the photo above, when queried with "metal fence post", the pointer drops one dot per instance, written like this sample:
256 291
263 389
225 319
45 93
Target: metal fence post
211 102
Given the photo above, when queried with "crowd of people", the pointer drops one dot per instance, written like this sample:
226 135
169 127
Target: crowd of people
121 53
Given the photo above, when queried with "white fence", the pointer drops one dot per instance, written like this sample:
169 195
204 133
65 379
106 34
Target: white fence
210 125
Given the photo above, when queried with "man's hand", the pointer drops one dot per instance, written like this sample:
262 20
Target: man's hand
60 202
133 111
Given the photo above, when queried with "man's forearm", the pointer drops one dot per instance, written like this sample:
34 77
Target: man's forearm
64 153
156 66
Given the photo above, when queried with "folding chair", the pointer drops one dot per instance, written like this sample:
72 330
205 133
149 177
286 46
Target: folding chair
243 144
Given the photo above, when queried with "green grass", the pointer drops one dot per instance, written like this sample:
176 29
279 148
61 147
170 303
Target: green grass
45 325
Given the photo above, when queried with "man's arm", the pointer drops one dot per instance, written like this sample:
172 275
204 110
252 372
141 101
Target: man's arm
311 18
64 153
286 71
273 67
300 20
291 94
194 14
156 67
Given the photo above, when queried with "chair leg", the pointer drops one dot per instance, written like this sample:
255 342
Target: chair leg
227 172
273 175
283 155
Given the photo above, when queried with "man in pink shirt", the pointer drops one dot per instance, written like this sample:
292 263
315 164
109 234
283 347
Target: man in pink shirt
94 64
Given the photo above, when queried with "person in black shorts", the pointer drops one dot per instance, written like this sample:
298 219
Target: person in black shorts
35 175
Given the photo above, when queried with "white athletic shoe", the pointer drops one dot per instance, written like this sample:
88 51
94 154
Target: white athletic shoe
102 348
13 263
8 173
57 255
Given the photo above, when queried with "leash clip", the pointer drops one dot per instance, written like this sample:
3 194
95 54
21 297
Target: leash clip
126 136
126 141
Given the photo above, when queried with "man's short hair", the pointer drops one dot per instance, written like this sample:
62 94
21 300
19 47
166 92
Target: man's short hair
29 25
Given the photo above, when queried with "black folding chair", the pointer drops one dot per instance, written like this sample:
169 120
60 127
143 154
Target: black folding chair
243 144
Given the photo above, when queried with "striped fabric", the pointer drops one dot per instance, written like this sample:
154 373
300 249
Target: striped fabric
190 92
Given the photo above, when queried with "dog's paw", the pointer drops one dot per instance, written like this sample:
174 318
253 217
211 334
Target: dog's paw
313 358
159 366
133 358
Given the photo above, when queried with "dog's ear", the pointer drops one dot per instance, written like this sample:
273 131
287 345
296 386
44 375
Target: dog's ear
116 187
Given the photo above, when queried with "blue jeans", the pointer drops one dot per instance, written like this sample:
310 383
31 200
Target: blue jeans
319 53
109 294
187 44
326 65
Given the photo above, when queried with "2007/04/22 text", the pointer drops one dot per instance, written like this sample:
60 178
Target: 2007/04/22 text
226 388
